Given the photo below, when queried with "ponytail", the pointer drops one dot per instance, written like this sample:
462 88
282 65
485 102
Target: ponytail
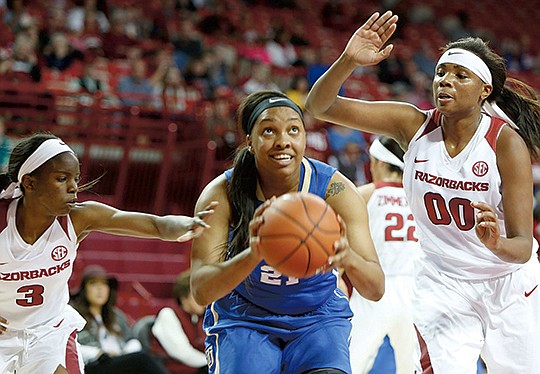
520 102
241 192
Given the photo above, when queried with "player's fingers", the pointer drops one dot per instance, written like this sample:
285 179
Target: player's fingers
198 222
205 213
480 205
371 21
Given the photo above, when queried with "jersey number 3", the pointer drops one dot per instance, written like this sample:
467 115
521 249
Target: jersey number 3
33 295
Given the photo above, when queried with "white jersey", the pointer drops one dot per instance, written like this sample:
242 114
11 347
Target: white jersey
392 229
34 277
440 189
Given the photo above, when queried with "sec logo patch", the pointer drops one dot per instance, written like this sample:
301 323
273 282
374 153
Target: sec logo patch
59 253
480 168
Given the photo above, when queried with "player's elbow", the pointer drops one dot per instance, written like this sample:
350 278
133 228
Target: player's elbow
315 110
376 288
377 292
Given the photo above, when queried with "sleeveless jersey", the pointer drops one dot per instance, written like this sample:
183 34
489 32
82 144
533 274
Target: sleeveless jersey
34 277
267 288
440 189
392 229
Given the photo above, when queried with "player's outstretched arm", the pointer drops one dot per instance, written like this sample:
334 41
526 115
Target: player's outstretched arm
93 216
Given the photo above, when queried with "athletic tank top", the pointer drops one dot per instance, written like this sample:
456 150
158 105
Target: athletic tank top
440 189
267 288
392 228
34 277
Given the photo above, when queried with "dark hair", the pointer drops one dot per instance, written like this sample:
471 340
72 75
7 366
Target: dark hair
80 302
515 98
20 154
181 287
241 190
395 148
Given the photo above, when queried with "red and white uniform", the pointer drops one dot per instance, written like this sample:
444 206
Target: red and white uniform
34 295
464 292
392 229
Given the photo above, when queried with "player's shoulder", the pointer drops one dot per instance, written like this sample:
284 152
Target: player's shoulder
215 190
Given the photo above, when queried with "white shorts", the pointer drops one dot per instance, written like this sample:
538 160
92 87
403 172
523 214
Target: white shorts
372 321
497 319
42 349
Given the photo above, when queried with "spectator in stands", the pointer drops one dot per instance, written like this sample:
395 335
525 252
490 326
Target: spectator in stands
221 126
59 54
260 79
136 88
43 226
280 49
298 90
351 161
187 43
339 136
55 21
93 81
76 15
197 75
107 342
17 16
116 42
172 94
178 332
23 64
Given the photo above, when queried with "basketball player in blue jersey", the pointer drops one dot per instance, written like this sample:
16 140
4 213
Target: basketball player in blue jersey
257 320
41 225
468 180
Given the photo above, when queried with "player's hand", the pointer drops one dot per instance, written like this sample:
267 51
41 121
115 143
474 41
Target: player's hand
366 46
198 223
487 225
3 327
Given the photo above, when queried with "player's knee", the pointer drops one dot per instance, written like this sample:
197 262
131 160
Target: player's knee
324 371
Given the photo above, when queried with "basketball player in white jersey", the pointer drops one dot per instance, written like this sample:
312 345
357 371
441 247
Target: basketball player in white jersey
468 180
41 225
392 229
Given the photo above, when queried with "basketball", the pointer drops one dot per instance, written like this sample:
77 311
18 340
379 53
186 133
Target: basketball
298 233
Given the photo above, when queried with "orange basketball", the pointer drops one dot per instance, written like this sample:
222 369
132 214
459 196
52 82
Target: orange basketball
298 234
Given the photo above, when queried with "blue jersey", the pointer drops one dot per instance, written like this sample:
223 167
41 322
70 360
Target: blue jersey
267 288
281 325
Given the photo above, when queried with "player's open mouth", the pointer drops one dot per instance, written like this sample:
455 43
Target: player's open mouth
282 157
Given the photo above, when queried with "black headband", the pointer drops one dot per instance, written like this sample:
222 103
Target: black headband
271 103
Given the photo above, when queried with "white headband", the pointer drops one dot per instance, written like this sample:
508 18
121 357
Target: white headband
47 150
470 61
381 153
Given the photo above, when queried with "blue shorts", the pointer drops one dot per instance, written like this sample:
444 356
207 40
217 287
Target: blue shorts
243 338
